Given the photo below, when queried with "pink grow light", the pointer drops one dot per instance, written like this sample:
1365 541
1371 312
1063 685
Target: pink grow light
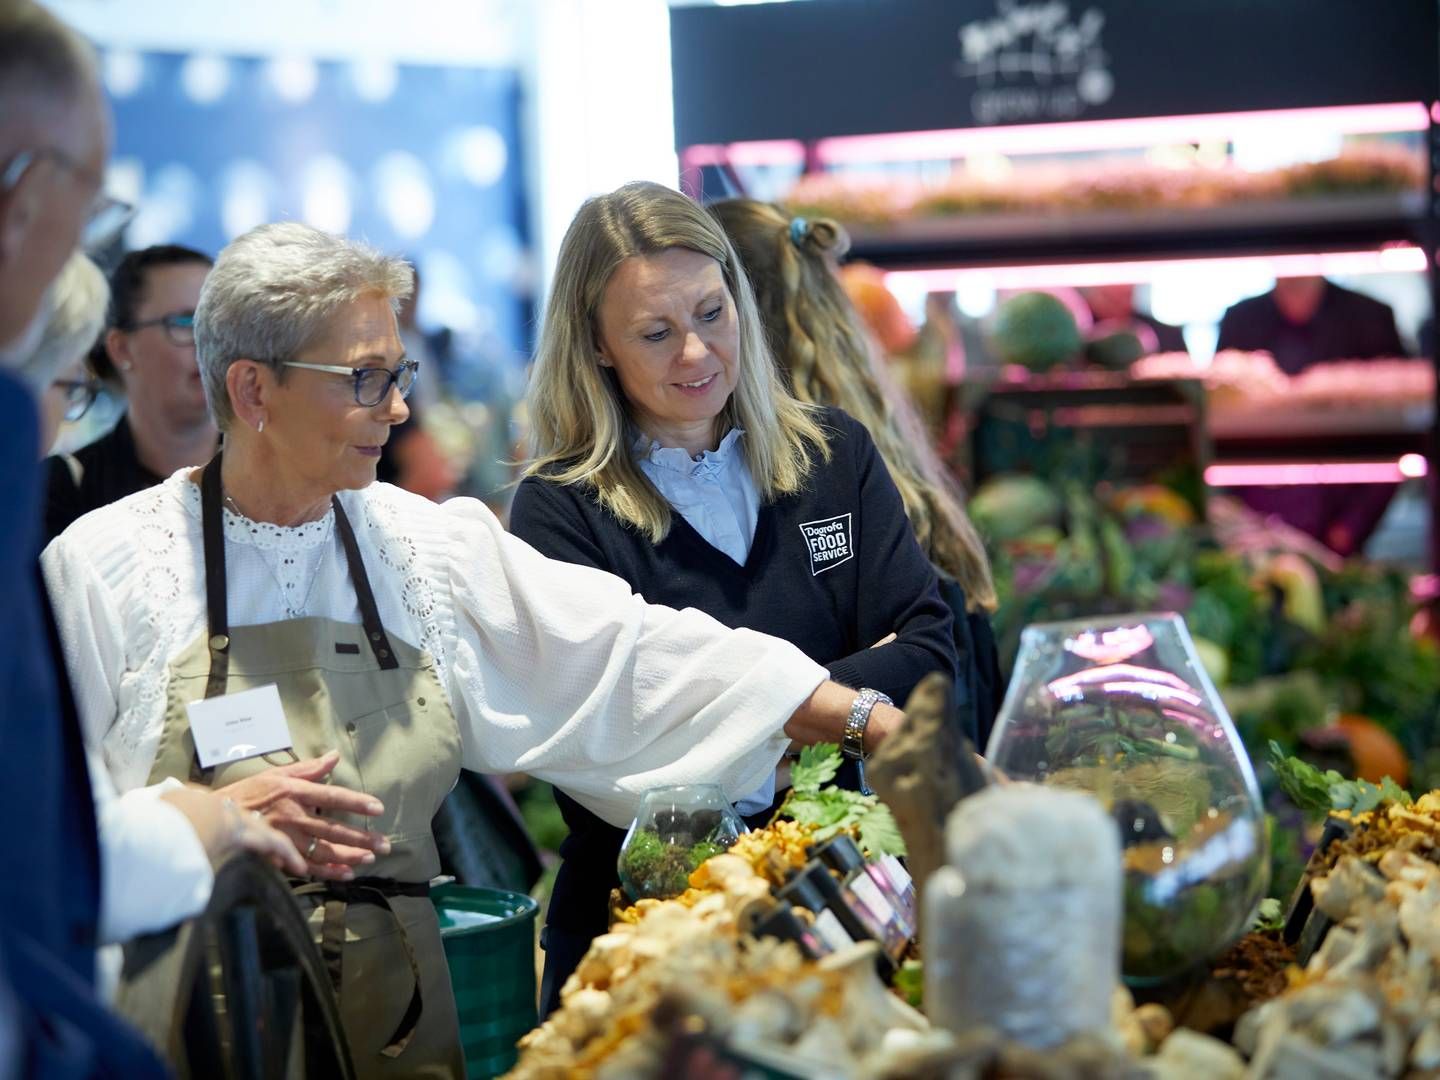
1121 134
1389 260
1307 473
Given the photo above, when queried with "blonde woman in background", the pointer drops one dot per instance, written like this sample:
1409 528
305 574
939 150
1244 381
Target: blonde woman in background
824 359
669 453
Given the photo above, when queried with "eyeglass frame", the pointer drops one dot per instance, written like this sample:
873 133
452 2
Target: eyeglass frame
91 389
168 322
100 203
392 377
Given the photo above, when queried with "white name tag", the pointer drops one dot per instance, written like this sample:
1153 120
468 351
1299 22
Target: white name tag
238 726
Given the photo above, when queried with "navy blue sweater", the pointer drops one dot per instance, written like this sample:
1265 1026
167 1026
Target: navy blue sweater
833 569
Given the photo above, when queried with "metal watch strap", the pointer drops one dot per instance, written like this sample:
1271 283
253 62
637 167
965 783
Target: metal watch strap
855 724
864 703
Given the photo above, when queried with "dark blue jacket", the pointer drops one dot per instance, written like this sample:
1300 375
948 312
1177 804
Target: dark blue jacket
833 569
50 899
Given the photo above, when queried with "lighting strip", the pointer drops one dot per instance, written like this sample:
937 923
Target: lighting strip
1400 258
1408 467
1079 135
1123 134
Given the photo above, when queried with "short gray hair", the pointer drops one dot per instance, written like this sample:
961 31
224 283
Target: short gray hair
272 293
74 315
40 56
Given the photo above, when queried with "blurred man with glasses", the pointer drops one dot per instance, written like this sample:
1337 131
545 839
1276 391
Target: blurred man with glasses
54 140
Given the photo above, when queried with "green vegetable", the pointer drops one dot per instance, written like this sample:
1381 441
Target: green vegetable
818 764
1012 507
910 982
1320 792
1271 915
1037 330
833 810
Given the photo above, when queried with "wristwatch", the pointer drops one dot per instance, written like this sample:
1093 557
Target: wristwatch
855 723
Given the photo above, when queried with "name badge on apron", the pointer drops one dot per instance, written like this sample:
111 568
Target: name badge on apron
237 726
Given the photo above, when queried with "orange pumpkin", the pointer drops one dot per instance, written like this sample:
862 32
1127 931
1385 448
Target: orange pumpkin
1375 751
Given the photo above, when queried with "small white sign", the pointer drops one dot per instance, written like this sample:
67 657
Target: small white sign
238 726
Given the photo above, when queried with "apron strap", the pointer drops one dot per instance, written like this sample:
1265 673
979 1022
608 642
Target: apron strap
369 612
337 896
212 525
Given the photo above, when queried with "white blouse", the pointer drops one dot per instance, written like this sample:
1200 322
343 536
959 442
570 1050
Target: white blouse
552 669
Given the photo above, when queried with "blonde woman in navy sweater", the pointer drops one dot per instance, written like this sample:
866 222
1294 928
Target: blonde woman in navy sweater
667 452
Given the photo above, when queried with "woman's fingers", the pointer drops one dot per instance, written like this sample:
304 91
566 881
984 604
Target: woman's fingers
325 853
335 798
336 833
886 640
312 768
273 845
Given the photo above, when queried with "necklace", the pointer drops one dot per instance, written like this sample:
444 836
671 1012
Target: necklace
290 610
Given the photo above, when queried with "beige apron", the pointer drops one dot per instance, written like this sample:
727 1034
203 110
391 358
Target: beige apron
379 703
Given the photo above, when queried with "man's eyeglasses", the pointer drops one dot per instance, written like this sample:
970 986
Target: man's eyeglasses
372 384
79 395
105 217
179 326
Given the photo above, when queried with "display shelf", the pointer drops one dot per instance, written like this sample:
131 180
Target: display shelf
1341 223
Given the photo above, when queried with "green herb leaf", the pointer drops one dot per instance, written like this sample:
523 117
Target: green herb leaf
1319 793
910 981
1307 787
879 835
820 809
1271 915
818 765
1390 791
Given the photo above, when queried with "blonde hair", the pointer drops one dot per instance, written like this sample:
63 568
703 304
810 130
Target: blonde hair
581 430
824 356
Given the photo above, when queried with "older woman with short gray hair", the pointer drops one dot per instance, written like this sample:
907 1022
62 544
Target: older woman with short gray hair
278 615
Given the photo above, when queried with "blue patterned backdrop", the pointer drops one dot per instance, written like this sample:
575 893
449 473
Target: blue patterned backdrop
419 161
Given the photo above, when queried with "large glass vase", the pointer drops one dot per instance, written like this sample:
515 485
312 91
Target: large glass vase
1121 707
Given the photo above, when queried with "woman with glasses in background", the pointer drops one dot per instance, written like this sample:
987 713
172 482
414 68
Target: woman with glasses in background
147 354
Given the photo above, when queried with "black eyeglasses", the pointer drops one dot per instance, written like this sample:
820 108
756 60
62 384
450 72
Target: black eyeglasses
105 218
179 326
79 395
372 384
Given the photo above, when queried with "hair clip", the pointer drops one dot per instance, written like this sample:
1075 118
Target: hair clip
798 227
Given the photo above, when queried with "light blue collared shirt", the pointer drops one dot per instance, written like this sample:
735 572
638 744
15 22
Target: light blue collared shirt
714 492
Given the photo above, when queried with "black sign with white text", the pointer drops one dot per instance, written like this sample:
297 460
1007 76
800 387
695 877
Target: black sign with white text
849 67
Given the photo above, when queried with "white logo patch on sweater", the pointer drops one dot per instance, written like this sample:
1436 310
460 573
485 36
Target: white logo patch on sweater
829 542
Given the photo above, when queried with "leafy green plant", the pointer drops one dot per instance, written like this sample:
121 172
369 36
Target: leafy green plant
1321 792
832 810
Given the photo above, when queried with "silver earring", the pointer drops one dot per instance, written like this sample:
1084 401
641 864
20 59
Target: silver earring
260 427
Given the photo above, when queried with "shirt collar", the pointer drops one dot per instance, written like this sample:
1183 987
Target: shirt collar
677 460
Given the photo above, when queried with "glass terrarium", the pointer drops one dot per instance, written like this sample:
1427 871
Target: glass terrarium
1121 707
676 830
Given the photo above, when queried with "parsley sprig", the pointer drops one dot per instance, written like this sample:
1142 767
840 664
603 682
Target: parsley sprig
831 810
1320 792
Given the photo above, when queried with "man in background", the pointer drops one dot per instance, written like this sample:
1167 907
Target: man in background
1307 320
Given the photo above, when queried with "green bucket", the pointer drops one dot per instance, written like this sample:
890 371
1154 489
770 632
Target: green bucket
489 938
